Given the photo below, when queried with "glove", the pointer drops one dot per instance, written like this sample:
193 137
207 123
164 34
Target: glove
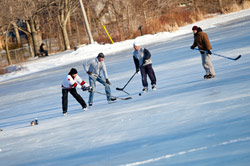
209 52
192 47
137 70
90 89
84 88
107 81
89 73
87 88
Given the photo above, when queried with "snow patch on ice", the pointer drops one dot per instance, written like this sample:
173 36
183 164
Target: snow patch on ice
188 151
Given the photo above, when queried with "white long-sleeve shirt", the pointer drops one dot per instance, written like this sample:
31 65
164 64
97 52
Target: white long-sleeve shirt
70 82
95 67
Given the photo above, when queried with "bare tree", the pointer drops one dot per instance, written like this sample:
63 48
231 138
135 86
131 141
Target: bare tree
15 26
64 10
29 11
5 25
32 10
4 31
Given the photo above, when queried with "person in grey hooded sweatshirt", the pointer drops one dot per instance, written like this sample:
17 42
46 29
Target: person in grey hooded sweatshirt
93 68
143 63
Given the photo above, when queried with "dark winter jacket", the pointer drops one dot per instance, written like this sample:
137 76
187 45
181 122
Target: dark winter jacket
42 48
201 40
141 58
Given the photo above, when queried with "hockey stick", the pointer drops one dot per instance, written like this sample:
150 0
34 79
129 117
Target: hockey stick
238 57
235 59
121 98
122 89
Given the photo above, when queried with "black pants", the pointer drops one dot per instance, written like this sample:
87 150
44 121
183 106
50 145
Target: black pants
46 52
147 70
74 93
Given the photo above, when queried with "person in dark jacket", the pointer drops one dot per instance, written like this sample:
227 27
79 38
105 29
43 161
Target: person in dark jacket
42 49
201 40
143 63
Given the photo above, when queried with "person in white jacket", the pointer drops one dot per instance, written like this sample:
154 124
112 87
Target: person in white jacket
69 84
93 68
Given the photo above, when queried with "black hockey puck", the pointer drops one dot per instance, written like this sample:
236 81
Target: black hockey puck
139 94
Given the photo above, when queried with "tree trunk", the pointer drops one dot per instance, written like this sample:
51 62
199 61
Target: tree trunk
69 26
30 40
7 50
88 15
36 35
77 31
7 46
221 6
18 39
65 37
61 43
63 19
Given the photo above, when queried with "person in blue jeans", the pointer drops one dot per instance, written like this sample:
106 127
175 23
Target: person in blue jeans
143 62
93 68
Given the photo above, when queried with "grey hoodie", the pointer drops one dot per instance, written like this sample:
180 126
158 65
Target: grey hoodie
95 67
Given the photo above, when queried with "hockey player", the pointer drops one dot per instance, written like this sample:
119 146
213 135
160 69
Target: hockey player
143 62
93 68
70 83
201 40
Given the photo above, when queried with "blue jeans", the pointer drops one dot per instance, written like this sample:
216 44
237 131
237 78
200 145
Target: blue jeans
92 83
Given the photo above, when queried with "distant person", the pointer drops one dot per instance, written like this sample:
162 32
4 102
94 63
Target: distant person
42 50
143 63
201 40
93 68
69 85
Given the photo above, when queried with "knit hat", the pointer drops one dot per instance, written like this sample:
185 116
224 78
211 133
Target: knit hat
100 55
135 44
73 71
195 27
